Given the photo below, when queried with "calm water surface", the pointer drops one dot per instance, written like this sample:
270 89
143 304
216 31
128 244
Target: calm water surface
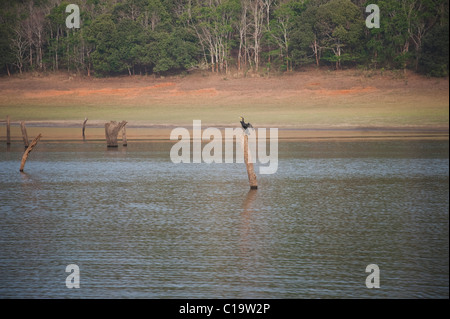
139 226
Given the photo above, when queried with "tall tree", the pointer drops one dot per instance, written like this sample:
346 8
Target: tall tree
213 22
257 11
281 27
341 28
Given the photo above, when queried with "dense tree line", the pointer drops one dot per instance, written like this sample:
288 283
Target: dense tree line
168 36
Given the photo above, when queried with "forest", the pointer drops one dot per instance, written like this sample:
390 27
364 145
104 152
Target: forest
145 37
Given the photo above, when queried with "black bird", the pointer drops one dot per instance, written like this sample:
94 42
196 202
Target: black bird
245 126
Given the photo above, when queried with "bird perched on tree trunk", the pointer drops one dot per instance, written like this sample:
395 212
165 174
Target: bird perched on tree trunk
245 126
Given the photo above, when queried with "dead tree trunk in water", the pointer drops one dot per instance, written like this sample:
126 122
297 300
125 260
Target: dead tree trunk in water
24 134
28 150
84 127
112 129
124 136
248 163
8 130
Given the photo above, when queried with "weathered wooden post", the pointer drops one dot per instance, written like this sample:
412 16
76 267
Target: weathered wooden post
84 127
124 136
24 134
28 150
248 163
112 129
8 130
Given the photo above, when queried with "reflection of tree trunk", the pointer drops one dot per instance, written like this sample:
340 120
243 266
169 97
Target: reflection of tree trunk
249 199
24 134
247 244
112 129
28 150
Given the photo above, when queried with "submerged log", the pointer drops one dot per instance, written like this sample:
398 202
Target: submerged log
112 129
84 127
28 150
8 130
248 163
24 134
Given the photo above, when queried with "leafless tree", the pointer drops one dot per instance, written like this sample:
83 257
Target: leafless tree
19 46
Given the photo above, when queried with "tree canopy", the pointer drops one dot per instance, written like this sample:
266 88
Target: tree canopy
171 36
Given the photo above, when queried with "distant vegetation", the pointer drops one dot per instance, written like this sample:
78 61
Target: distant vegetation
173 36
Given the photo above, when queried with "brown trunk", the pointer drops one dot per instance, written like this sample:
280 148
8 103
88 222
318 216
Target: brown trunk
112 129
316 53
28 150
84 127
24 134
124 136
250 171
8 130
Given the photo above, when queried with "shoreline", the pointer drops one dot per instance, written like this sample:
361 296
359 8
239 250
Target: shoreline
150 125
72 131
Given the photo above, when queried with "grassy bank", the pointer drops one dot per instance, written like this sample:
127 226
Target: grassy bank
315 99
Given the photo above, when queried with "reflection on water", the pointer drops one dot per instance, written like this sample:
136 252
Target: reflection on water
140 226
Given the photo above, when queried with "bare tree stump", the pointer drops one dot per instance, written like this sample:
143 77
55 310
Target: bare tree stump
84 127
112 129
24 134
28 150
8 130
124 136
248 163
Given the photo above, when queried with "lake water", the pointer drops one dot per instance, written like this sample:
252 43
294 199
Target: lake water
140 226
